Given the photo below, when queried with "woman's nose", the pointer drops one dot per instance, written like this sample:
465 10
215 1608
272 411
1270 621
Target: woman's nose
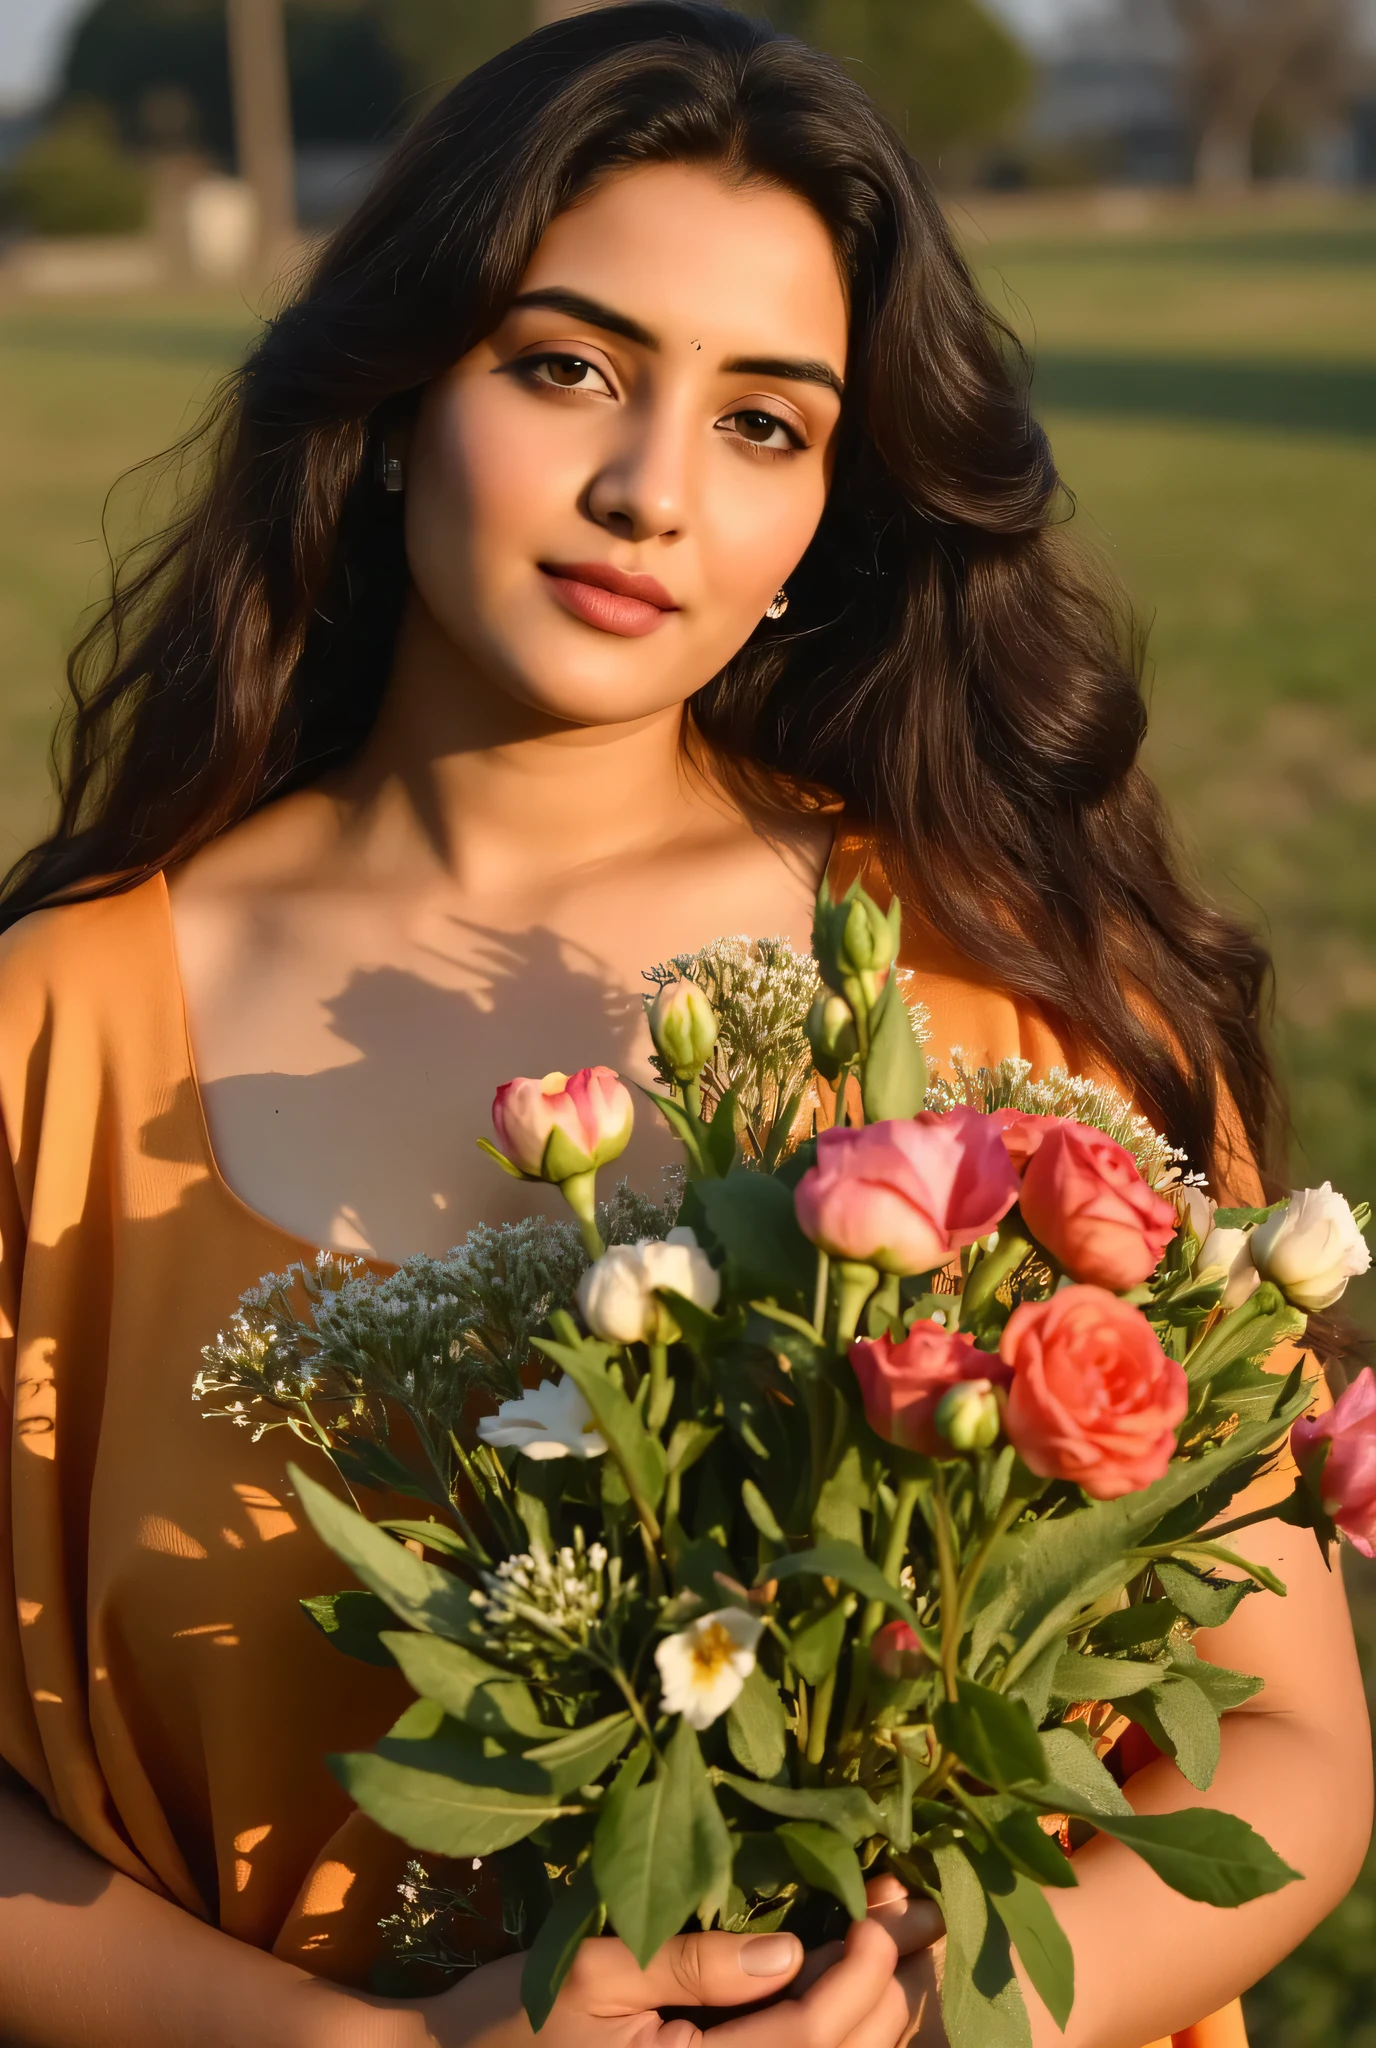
641 490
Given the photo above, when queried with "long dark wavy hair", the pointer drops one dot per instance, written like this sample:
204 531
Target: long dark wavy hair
951 671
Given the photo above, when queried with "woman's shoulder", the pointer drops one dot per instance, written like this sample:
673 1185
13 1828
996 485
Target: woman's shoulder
70 946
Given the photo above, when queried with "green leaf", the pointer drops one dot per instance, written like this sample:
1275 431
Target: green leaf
661 1848
847 1808
1081 1780
980 2000
815 1643
574 1916
362 1462
1224 1689
639 1455
688 1129
1033 1686
466 1685
893 1077
719 1149
1037 1936
690 1441
1216 1551
992 1735
419 1593
762 1515
581 1756
1248 1332
436 1810
756 1726
827 1863
1133 1627
751 1217
1040 1579
1018 1834
1213 1857
836 1559
352 1623
1102 1678
434 1535
1182 1723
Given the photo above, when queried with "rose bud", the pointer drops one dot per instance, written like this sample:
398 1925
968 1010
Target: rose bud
683 1025
562 1125
855 945
831 1035
969 1415
618 1295
1086 1203
1094 1398
1336 1453
1311 1248
896 1653
903 1385
1197 1209
905 1195
1226 1255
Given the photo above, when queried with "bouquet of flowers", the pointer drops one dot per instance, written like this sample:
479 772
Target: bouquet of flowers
874 1483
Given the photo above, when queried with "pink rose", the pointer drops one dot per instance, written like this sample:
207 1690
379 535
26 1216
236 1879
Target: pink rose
905 1195
896 1652
903 1385
1094 1397
1022 1132
563 1124
1084 1200
1336 1453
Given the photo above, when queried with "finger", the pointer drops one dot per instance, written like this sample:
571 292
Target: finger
913 1920
886 2025
838 2002
917 1976
692 1970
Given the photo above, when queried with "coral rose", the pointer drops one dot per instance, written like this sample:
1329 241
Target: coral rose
904 1195
1336 1453
1022 1132
563 1124
1094 1397
1085 1202
903 1385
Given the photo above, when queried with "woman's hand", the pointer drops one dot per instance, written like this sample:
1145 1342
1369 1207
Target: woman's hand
915 1926
607 2001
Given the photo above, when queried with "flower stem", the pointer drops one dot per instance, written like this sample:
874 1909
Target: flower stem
821 1714
661 1387
819 1299
894 1551
950 1594
856 1283
580 1192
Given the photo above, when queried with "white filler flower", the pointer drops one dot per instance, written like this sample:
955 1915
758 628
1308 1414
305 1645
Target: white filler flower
1311 1248
617 1294
553 1422
703 1667
1226 1255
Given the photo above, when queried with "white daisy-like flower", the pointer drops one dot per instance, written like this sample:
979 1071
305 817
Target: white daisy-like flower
554 1421
704 1666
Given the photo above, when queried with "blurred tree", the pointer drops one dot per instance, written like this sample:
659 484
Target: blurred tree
1247 58
945 71
76 179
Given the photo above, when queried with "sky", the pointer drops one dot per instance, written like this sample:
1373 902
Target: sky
32 32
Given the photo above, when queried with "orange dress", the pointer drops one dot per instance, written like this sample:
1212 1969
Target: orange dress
159 1686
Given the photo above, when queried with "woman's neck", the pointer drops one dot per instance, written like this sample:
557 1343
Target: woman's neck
460 781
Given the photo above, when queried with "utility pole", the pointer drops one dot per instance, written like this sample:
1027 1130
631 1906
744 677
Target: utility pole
262 119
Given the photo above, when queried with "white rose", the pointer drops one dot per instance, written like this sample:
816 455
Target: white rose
1197 1209
617 1294
553 1422
1227 1255
703 1667
1311 1248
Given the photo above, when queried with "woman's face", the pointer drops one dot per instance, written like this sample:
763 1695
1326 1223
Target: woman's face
605 495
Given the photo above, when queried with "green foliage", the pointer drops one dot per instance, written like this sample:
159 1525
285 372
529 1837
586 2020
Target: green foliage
661 1846
945 71
76 179
353 1624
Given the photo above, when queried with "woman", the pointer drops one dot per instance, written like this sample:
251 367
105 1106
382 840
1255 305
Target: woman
635 512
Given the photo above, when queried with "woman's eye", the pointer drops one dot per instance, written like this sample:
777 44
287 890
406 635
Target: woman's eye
567 373
762 430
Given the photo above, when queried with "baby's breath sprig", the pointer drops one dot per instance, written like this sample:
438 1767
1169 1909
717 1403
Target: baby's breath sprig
1009 1085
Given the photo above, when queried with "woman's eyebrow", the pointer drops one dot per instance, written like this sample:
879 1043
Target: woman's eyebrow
801 370
591 313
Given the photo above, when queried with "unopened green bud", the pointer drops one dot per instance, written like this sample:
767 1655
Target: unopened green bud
968 1415
683 1025
831 1034
855 944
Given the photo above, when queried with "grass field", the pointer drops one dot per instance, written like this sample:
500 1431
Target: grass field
1210 386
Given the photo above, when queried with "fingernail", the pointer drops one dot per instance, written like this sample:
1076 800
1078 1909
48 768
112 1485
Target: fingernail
769 1954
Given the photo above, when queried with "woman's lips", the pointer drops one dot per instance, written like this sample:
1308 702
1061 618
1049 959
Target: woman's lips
610 599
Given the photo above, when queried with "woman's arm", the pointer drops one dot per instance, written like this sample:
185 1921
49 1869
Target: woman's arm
1296 1764
90 1959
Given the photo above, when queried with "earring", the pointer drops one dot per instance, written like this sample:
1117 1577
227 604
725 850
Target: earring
389 470
777 605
